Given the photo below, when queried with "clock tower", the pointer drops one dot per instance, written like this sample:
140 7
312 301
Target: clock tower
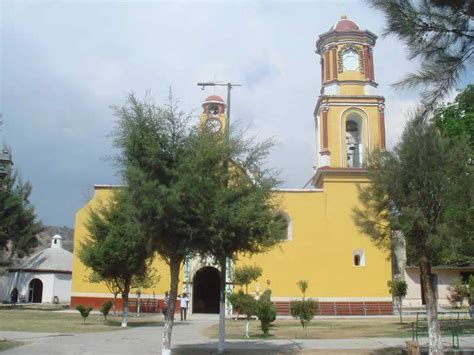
213 117
349 115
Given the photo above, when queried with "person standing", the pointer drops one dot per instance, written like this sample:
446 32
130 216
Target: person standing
165 303
184 301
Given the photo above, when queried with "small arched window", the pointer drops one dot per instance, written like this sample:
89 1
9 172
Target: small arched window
283 226
358 257
356 260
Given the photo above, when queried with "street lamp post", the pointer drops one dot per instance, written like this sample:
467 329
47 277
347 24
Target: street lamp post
221 344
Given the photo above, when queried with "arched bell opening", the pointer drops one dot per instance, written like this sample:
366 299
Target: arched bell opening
354 147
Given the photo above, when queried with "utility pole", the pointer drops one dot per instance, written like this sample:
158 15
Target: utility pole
223 261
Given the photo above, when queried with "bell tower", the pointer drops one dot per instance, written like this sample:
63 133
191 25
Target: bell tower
349 115
213 117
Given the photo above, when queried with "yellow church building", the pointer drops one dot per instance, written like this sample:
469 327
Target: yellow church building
346 272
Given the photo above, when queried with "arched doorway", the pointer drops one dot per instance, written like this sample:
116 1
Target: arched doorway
206 283
35 291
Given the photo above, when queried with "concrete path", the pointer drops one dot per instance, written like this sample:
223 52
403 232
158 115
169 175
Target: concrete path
187 339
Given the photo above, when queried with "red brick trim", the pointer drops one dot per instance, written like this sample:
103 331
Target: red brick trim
147 305
325 128
382 126
326 65
343 308
366 63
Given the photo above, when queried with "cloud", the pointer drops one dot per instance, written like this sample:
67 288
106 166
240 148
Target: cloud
65 63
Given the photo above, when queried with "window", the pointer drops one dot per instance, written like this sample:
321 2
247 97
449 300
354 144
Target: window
214 110
350 60
357 260
358 257
283 226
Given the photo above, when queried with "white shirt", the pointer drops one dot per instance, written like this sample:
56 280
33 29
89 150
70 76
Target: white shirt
184 302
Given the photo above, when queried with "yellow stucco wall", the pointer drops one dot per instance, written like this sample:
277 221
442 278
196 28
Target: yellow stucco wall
320 250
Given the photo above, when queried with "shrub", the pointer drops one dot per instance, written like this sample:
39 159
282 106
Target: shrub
245 275
457 292
398 289
105 308
265 311
244 304
304 309
84 311
471 290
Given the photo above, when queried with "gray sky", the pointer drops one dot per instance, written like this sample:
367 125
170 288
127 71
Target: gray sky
64 63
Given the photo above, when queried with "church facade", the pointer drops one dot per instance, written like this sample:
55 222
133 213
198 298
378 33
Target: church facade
346 272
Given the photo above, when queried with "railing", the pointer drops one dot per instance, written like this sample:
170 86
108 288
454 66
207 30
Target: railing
454 324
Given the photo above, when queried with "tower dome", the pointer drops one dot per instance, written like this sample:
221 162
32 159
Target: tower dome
345 25
214 99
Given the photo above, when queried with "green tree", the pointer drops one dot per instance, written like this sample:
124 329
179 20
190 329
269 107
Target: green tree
456 119
440 34
244 304
84 312
18 227
456 122
304 309
398 289
116 248
457 292
470 287
105 308
413 188
265 311
245 275
194 192
111 285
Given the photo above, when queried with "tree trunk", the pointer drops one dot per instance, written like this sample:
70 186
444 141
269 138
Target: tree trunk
247 325
138 306
115 302
175 264
434 331
125 306
400 300
221 344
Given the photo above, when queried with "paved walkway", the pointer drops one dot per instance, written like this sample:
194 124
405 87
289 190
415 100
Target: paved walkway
187 339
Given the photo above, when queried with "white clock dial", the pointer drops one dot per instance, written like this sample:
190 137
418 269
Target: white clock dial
213 125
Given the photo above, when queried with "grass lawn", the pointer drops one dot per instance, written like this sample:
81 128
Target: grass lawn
318 329
58 322
9 344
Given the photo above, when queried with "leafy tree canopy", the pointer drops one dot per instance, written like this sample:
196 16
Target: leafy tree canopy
116 247
424 188
456 119
246 274
19 226
440 33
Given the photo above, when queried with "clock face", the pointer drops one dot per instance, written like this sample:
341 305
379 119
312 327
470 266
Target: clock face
213 125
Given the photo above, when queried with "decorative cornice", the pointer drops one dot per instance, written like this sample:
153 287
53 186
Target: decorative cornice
327 170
